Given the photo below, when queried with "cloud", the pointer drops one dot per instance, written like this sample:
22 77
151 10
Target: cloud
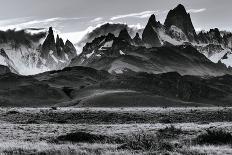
29 22
147 14
144 14
196 10
95 20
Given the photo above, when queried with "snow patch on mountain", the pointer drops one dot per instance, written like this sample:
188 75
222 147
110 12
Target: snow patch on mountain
90 54
66 56
228 60
164 37
218 56
121 52
177 33
107 45
53 57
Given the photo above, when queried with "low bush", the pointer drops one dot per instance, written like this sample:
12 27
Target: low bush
146 142
169 132
13 112
215 137
84 137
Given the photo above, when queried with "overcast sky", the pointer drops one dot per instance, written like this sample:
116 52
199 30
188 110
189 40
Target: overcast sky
77 15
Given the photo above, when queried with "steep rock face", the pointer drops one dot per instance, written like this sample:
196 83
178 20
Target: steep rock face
124 35
227 40
55 54
118 56
137 40
211 37
70 50
59 47
103 30
150 36
216 45
181 19
8 62
103 47
177 33
19 50
49 45
4 70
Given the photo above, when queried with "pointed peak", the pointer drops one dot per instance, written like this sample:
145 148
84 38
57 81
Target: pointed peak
180 8
67 41
137 35
153 22
152 19
124 34
50 31
110 36
123 31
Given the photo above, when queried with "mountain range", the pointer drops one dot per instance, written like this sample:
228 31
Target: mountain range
166 64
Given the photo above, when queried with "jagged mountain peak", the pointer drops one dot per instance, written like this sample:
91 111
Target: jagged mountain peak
153 22
152 19
50 31
137 40
180 8
150 36
180 18
124 35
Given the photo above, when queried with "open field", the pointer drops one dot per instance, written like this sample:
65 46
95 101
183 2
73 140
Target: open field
114 130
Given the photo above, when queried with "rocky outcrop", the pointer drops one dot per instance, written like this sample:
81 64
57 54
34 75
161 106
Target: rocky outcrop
10 64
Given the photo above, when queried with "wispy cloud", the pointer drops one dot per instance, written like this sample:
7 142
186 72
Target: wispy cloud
144 14
98 19
196 10
30 22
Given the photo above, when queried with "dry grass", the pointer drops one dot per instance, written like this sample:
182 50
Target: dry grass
102 137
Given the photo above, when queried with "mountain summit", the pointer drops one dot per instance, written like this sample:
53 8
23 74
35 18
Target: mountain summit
150 36
180 18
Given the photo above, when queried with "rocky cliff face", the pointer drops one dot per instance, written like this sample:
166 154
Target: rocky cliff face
4 70
180 18
137 40
150 36
56 54
124 35
29 53
116 55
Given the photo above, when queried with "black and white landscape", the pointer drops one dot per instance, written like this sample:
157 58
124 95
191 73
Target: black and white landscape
161 88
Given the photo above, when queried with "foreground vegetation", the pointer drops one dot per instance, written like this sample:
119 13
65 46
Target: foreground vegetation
33 136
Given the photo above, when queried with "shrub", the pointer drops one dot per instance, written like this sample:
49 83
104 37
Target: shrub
13 112
169 132
83 137
218 137
146 142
